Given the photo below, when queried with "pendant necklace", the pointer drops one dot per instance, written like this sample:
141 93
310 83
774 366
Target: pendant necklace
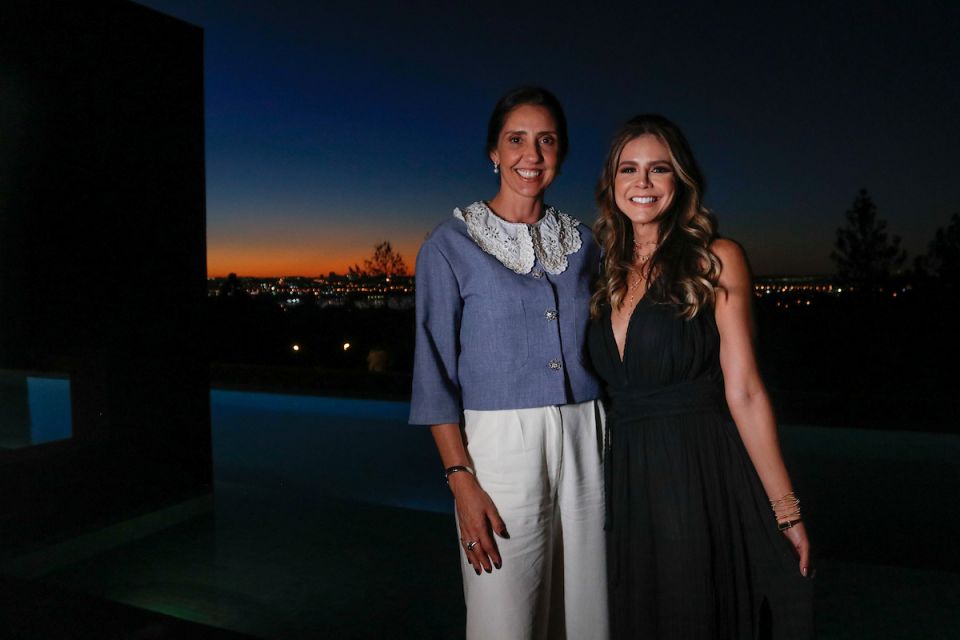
642 259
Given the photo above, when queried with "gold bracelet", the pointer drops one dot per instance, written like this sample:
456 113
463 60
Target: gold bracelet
787 516
787 498
786 510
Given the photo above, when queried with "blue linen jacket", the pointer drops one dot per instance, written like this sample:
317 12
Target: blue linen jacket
489 338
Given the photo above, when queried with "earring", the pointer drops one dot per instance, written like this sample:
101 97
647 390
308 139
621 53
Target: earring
496 167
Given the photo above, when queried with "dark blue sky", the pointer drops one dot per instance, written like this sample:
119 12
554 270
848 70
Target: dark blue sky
333 126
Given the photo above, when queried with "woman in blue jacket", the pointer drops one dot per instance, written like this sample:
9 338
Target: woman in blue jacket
503 290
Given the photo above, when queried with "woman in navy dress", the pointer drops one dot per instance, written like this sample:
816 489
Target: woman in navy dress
705 537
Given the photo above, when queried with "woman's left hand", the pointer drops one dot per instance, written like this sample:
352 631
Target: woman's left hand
797 535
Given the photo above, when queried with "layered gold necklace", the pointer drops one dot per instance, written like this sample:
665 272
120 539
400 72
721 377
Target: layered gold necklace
639 261
642 258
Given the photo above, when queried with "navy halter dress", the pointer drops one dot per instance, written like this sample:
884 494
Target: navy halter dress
693 548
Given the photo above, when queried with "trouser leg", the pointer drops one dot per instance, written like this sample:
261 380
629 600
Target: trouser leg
513 453
580 500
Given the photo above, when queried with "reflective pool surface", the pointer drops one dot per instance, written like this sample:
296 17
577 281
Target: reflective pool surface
331 519
353 449
34 409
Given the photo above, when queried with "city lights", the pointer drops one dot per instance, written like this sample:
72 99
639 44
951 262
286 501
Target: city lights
333 291
398 292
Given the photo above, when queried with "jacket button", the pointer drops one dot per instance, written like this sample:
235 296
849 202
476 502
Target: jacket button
556 365
551 314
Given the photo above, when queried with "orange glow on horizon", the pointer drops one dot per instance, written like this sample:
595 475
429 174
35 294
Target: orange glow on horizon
296 261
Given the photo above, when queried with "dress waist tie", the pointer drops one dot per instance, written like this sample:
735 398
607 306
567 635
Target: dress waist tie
630 406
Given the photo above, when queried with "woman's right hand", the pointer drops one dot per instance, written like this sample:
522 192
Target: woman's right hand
479 520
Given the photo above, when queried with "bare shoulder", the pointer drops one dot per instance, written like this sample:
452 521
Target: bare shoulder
734 268
728 251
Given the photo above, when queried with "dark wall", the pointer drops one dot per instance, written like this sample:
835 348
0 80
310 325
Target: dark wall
102 244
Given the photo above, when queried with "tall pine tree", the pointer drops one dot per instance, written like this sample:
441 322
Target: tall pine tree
863 252
943 255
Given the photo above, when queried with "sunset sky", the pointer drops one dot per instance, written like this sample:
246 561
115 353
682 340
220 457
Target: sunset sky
333 126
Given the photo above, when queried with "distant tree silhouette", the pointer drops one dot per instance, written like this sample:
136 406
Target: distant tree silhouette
863 253
385 262
943 253
231 287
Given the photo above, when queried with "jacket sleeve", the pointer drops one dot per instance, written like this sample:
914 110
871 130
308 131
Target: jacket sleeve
436 395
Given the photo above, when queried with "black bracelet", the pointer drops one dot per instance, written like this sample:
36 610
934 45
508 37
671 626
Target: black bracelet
789 524
449 471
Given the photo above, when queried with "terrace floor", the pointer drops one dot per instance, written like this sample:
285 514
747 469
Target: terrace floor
330 520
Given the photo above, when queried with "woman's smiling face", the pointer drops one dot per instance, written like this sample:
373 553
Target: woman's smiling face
646 182
527 151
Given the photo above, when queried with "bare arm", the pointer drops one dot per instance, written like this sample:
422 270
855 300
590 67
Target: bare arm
745 392
436 398
476 512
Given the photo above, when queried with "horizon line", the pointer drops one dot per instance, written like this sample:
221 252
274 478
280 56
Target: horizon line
410 275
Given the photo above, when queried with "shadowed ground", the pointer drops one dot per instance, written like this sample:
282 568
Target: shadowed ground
331 520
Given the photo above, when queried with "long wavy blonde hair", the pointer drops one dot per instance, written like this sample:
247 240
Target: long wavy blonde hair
682 270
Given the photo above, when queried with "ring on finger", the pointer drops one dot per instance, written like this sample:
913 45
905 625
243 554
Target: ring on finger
473 543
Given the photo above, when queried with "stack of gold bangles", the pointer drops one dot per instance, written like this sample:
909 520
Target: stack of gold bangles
786 510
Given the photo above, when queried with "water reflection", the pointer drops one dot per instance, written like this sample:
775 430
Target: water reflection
34 409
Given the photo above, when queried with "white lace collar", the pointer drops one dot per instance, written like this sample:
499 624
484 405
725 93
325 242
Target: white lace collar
516 245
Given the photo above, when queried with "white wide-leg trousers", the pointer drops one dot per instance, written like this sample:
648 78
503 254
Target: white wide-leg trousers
542 468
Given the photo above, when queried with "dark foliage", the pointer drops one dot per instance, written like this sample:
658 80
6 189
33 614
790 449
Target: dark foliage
943 255
863 252
384 262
